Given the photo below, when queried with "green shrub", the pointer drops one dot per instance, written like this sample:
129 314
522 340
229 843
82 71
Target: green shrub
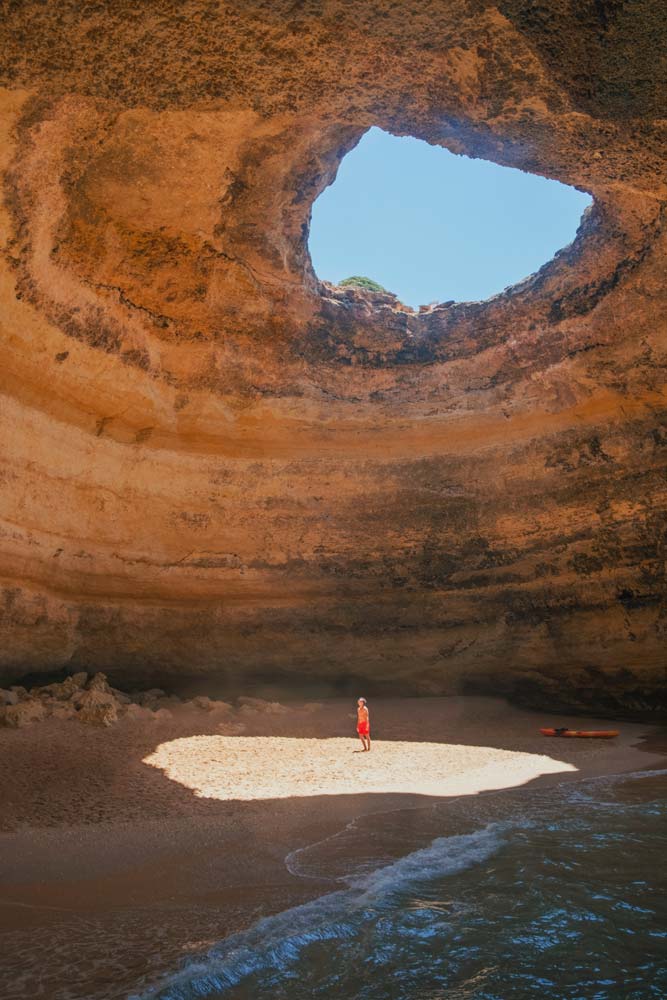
359 281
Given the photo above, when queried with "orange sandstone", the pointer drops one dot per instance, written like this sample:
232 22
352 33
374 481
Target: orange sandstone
213 463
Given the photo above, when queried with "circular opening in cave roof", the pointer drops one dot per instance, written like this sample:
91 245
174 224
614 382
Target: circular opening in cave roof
430 226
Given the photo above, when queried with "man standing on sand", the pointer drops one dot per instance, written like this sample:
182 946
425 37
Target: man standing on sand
363 724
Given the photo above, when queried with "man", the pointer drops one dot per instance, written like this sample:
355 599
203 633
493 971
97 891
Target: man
363 724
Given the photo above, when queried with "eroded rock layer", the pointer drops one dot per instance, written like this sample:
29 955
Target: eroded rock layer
214 464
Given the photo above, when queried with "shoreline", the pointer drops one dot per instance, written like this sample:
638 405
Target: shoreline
157 873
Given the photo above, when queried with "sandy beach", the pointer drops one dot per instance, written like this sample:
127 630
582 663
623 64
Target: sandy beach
123 851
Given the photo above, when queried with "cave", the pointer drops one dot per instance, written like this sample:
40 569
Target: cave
249 516
217 465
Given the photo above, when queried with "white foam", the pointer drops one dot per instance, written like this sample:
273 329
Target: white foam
276 941
444 856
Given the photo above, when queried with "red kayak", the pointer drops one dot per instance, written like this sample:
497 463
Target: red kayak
593 734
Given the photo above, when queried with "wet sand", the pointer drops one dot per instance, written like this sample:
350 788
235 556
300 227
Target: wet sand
124 850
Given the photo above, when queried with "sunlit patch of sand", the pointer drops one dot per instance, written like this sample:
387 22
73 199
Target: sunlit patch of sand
278 767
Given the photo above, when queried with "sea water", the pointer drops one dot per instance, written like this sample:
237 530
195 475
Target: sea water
558 892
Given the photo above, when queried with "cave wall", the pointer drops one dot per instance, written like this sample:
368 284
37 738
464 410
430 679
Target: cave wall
213 464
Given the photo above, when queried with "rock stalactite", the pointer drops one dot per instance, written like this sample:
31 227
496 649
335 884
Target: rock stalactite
213 463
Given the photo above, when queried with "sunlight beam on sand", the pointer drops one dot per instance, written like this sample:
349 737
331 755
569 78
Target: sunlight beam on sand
278 767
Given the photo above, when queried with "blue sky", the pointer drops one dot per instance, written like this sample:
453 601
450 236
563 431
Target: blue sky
432 226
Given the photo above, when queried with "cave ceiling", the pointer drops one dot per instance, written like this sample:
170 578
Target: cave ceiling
215 464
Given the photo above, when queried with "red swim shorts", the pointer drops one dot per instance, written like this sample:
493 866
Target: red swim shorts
364 729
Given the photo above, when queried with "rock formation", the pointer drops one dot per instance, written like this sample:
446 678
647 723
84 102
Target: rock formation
96 703
212 463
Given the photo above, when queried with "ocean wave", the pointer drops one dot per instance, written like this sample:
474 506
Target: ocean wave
444 856
275 943
273 948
